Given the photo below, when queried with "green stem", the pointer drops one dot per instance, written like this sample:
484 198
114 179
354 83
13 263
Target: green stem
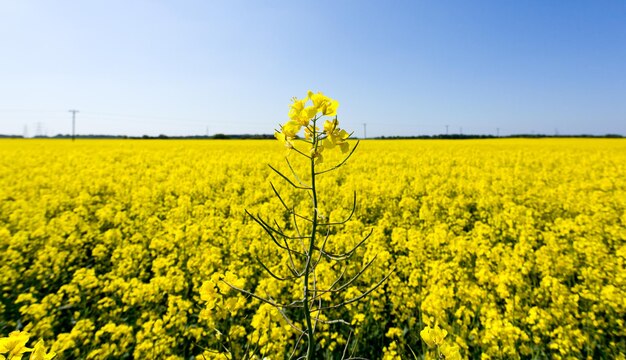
307 312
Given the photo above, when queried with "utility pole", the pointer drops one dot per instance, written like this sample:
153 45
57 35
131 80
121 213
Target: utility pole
447 130
364 130
497 132
73 123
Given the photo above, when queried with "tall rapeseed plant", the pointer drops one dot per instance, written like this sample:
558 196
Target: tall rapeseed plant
306 115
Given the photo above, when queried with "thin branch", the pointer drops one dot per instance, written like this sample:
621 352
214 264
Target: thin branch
267 301
343 355
279 197
321 251
225 348
247 352
295 225
352 280
289 321
268 229
274 275
314 295
300 152
295 347
349 216
293 172
288 180
282 233
291 268
303 217
338 321
343 272
346 254
342 162
280 229
358 297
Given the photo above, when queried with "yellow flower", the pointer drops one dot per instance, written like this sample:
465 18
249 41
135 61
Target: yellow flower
450 351
296 108
39 352
433 337
324 104
15 344
301 114
307 114
394 332
330 125
288 132
208 292
291 129
335 136
330 108
233 280
282 138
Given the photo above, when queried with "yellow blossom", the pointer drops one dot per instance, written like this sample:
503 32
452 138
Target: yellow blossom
335 136
288 132
39 352
300 113
15 344
433 336
324 104
450 351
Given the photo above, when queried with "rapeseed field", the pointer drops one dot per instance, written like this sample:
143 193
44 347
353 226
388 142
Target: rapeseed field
502 248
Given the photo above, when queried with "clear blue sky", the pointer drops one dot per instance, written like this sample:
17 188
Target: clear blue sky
401 67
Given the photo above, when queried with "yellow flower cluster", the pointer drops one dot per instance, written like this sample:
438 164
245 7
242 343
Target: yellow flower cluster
305 113
434 338
121 249
13 347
